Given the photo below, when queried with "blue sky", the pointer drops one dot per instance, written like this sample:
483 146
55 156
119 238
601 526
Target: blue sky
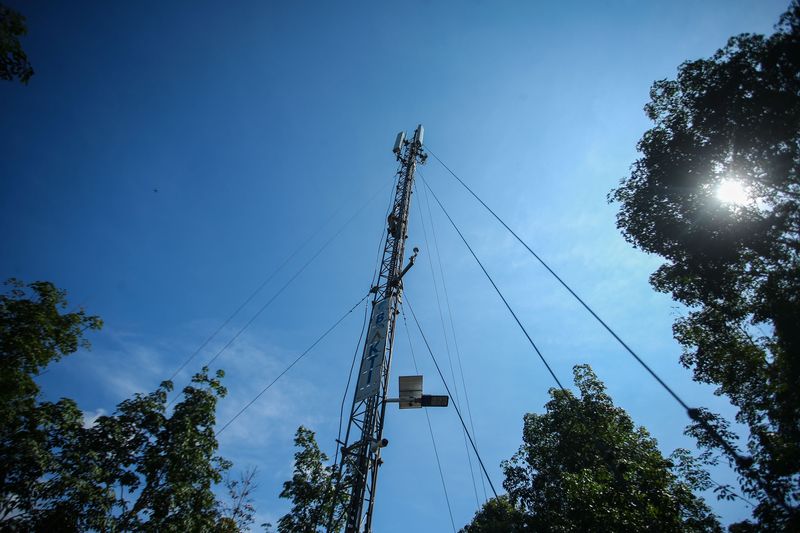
258 121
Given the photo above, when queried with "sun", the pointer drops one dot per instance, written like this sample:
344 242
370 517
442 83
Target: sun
733 192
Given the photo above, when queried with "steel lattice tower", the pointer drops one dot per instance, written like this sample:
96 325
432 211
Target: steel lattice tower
361 458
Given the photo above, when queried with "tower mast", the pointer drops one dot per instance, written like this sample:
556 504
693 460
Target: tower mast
361 459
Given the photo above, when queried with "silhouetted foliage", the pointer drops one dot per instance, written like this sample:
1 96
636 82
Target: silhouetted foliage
13 60
732 120
584 466
497 516
311 489
33 333
139 469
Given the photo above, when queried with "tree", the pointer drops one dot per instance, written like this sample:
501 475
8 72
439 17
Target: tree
311 489
140 468
13 60
497 515
731 124
239 514
33 334
584 466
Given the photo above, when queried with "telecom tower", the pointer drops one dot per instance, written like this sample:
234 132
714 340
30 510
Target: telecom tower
361 458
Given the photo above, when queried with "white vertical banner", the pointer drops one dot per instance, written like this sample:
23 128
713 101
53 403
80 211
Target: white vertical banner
369 375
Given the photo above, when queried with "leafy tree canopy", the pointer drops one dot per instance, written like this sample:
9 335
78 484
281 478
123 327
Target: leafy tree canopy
497 515
584 466
311 490
141 468
33 333
715 193
13 60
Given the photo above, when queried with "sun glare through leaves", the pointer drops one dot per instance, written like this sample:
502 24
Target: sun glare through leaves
733 192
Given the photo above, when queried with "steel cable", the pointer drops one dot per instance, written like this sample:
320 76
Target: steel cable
296 360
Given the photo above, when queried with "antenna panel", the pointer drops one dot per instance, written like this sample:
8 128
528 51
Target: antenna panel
398 142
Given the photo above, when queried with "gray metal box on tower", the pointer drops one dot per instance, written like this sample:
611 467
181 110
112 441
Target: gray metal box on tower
410 392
